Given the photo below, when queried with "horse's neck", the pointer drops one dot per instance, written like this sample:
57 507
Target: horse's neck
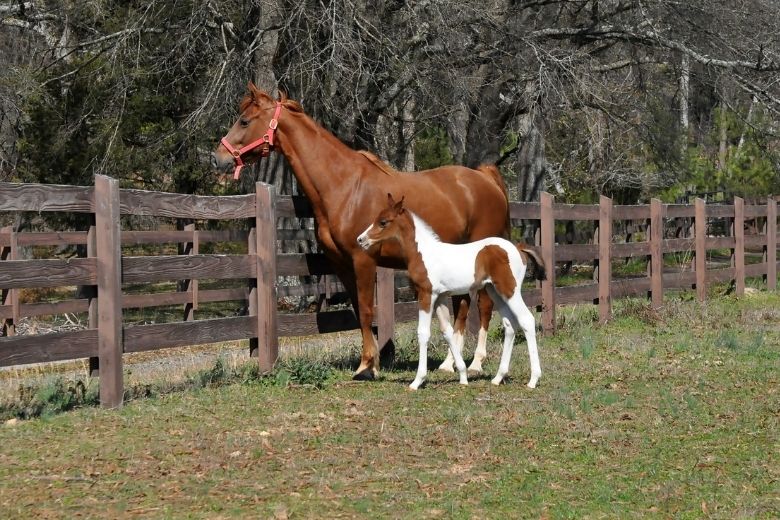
320 161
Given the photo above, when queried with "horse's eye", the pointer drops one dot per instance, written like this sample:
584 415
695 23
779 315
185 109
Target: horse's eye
243 122
383 223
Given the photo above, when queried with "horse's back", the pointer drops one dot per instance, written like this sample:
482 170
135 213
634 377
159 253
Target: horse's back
476 194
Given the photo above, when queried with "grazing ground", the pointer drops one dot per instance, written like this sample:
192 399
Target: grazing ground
660 414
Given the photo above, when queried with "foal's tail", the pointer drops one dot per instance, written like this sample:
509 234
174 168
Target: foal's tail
492 172
527 252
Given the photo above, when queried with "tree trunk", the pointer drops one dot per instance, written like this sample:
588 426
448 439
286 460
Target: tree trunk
685 76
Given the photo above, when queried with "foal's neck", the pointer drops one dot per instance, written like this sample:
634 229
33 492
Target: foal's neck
424 235
421 241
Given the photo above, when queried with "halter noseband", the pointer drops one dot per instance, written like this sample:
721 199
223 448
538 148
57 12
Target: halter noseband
267 142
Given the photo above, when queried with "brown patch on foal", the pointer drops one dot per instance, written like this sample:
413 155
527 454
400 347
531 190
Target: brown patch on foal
493 262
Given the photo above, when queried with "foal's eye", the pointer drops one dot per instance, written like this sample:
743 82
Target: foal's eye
243 122
383 223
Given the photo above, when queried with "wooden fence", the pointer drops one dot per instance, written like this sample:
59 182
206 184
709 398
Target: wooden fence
105 269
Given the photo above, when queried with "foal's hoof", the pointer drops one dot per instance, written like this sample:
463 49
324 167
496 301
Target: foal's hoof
364 375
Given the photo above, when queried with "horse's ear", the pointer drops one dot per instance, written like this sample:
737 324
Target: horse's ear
282 95
390 200
253 90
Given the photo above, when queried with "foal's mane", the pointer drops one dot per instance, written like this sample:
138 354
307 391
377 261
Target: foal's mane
421 226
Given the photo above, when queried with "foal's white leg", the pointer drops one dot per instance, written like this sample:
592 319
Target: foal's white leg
423 335
527 322
443 313
509 341
454 350
481 352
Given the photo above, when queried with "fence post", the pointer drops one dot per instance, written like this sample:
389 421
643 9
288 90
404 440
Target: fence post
385 316
605 258
739 245
548 254
109 283
656 253
94 362
191 285
11 296
267 342
700 230
771 244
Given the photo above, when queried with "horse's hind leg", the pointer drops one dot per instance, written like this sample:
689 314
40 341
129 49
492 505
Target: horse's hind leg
485 305
461 305
509 322
527 322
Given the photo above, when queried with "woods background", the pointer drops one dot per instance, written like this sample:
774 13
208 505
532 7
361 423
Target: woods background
627 98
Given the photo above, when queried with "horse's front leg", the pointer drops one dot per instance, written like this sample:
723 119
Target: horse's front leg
485 305
423 335
365 276
455 348
460 303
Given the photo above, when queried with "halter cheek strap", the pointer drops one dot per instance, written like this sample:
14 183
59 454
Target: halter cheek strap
267 143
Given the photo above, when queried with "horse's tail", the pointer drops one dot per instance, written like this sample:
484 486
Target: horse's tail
530 252
492 172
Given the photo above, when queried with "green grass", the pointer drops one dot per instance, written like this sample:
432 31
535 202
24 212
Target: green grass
671 413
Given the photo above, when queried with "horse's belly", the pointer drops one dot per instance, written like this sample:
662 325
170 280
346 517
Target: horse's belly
454 284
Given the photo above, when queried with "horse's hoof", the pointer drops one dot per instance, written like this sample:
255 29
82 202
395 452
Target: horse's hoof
364 375
447 367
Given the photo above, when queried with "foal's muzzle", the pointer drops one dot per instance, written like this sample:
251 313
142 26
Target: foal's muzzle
363 240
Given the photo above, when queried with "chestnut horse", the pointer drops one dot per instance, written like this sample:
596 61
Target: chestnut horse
347 189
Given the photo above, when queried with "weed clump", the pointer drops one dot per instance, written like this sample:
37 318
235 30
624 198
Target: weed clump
639 310
302 371
217 375
54 396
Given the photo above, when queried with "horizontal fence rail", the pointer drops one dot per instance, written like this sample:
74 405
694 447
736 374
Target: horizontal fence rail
108 275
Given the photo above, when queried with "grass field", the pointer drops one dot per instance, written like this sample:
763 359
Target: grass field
658 414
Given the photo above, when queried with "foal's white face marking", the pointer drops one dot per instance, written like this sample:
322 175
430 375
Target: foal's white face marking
363 239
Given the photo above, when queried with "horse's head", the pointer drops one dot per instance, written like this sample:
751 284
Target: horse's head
389 224
252 135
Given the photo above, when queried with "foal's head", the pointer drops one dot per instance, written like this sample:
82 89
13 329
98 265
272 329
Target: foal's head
393 222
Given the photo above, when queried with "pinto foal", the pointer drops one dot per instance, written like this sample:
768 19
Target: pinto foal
438 269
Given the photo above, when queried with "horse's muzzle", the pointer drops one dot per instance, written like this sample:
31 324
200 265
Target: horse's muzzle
222 164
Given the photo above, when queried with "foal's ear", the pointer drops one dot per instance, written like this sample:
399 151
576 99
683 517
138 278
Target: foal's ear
399 206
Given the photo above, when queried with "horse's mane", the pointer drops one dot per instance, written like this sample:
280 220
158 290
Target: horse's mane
252 99
379 163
